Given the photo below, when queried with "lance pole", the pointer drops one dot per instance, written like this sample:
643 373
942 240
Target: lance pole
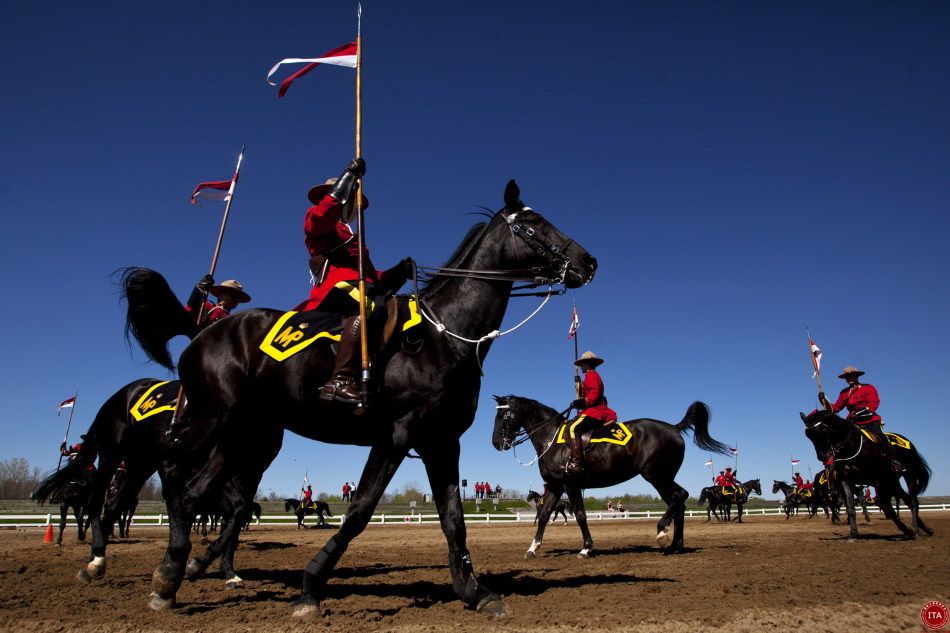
360 224
69 422
577 370
180 401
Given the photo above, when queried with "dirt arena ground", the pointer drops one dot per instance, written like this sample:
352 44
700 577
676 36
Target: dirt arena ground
767 574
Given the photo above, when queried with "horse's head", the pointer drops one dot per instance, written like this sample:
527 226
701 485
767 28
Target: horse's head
288 504
777 486
506 426
536 243
825 430
533 495
753 485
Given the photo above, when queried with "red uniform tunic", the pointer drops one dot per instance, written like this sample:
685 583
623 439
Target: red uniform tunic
799 481
856 399
307 498
326 234
212 313
84 458
808 485
730 479
593 392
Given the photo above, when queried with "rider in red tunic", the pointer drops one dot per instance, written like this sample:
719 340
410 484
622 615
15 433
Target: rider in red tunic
593 410
229 293
799 482
729 478
82 456
307 499
334 264
862 402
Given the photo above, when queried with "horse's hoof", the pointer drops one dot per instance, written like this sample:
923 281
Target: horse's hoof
96 568
663 538
530 555
493 606
192 569
162 585
83 575
584 553
305 607
157 603
909 537
234 583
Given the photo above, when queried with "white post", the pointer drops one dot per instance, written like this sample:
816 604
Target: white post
159 518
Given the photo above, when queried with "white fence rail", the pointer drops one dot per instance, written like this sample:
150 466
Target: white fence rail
156 520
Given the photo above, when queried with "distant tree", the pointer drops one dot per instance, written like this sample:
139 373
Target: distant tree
17 479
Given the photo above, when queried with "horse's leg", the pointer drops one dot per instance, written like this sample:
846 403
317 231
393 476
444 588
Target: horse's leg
80 527
892 490
849 506
547 508
580 515
377 473
442 467
674 496
102 515
913 501
63 513
181 499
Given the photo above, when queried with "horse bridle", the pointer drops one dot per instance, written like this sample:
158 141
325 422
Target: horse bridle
523 435
536 275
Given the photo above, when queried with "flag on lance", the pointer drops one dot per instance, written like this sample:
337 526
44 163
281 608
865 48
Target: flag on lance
708 463
575 323
795 462
340 56
815 357
68 403
734 451
220 190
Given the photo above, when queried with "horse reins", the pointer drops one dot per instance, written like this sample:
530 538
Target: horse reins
523 435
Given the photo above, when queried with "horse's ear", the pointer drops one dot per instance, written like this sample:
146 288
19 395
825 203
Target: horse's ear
513 197
498 399
804 419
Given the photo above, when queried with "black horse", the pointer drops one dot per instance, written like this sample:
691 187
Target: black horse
126 509
653 449
423 395
320 508
562 507
793 497
712 509
856 459
737 495
116 435
69 488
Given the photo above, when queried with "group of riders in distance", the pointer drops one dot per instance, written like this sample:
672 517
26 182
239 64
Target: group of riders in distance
212 443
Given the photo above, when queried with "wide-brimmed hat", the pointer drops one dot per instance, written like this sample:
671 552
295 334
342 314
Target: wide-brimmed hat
589 358
319 192
232 287
728 467
850 369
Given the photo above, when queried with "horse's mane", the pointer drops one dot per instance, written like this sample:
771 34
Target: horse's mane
457 258
532 407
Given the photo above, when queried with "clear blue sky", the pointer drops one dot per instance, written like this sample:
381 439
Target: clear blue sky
738 170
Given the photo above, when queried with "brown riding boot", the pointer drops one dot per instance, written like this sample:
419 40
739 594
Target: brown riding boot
888 449
575 465
342 387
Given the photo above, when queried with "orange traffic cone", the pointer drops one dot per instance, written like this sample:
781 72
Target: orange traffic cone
49 534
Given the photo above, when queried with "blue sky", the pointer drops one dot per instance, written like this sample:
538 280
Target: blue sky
738 170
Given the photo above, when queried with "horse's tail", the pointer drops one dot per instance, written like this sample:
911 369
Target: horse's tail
921 472
55 483
326 507
257 510
697 419
155 315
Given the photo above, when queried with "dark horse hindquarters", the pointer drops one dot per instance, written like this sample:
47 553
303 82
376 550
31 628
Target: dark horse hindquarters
240 401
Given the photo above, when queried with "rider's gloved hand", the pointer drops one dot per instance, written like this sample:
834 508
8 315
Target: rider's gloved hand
580 403
205 284
821 396
357 167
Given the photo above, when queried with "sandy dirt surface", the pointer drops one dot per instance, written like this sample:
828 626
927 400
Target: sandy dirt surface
767 574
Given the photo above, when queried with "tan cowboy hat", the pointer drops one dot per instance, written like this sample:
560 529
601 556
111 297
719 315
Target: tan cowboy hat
589 358
232 287
319 192
851 369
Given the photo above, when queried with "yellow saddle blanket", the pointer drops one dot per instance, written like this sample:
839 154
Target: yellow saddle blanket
160 397
896 440
296 331
616 433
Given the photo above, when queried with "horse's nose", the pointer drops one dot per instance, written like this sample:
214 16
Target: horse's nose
590 261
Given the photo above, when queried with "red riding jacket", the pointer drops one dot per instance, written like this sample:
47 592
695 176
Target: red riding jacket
593 393
326 234
856 399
